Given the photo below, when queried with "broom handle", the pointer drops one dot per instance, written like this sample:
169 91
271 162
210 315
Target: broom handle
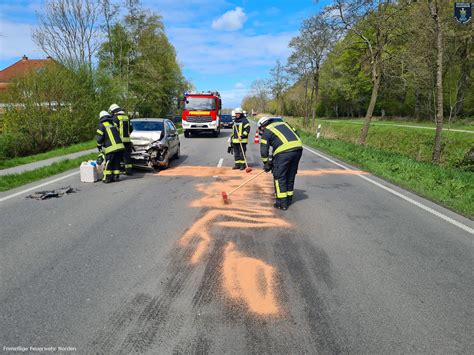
246 182
241 147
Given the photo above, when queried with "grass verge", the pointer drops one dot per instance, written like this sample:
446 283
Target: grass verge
10 163
465 125
447 186
8 182
414 143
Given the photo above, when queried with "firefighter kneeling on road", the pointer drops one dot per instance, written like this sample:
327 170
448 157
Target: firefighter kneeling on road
122 121
109 143
287 150
239 139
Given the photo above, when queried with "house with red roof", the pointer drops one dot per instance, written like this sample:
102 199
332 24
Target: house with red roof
19 69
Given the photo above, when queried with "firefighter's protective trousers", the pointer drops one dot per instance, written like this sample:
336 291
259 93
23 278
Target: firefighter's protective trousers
125 128
108 141
240 133
239 159
127 159
287 150
285 167
112 165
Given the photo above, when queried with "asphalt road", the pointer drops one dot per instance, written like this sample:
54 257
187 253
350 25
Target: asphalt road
159 264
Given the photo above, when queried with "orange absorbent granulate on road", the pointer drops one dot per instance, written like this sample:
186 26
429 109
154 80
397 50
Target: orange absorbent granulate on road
208 171
230 219
199 171
247 211
250 280
246 279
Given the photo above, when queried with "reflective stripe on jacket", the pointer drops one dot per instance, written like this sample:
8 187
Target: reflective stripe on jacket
281 137
124 126
241 130
108 136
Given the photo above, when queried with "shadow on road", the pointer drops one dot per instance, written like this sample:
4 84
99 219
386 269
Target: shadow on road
300 195
207 135
140 172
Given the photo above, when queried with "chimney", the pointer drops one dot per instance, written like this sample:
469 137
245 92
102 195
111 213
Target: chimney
24 58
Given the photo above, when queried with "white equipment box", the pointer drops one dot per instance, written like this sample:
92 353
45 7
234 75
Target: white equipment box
90 171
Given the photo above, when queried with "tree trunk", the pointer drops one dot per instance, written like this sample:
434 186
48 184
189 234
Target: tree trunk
311 98
316 93
417 104
306 99
463 79
373 100
439 83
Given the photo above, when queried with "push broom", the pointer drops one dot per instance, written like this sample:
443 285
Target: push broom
225 195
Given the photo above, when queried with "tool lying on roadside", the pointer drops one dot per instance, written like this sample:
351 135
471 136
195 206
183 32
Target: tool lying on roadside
43 195
225 195
247 168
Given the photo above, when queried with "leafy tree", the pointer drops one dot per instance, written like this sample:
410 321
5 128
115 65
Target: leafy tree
139 56
53 107
375 23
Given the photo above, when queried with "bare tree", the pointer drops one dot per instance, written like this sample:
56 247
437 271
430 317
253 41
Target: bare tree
298 68
260 90
310 48
109 12
68 31
278 84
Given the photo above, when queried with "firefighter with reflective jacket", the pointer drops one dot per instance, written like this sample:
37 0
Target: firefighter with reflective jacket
287 150
239 139
125 128
109 143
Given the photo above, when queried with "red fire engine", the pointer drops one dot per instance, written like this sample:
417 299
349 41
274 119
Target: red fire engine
201 112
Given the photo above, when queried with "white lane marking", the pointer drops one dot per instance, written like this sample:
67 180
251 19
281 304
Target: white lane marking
398 194
219 165
38 186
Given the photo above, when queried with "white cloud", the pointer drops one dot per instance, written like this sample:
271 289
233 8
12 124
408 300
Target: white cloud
239 86
232 20
206 52
233 98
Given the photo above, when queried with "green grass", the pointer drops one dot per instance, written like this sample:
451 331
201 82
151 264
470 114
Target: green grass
447 186
464 125
8 182
9 163
414 143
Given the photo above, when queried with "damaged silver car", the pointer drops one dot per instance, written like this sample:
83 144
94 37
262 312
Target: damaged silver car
155 142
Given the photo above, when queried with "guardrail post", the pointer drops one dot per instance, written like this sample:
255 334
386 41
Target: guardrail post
318 131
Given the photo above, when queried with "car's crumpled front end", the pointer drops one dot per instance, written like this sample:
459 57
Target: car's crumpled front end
149 149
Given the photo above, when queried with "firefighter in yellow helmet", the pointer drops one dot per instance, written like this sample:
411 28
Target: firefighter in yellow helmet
239 138
122 121
287 149
109 143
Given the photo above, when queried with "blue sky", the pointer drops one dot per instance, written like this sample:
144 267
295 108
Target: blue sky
222 45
